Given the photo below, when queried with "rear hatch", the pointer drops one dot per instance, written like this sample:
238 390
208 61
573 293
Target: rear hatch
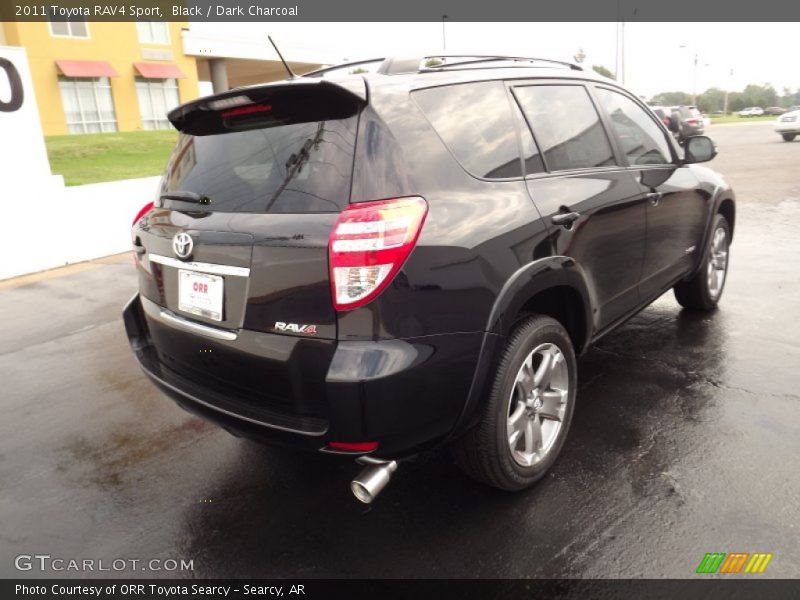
237 239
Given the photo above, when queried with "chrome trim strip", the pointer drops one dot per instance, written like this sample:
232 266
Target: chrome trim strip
212 332
212 268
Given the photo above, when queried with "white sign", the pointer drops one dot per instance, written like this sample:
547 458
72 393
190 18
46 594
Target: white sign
22 151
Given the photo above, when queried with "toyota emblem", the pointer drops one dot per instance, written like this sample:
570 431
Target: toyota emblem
182 244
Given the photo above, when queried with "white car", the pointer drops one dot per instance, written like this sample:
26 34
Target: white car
788 125
752 111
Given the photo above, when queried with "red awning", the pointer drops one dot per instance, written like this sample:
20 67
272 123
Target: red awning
159 70
86 68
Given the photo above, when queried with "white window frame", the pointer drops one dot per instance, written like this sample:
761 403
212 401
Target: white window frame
70 36
159 123
151 41
105 126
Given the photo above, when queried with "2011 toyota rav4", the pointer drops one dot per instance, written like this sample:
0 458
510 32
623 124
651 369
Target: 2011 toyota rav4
372 265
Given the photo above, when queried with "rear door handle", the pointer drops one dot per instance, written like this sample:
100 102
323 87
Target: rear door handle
565 219
655 197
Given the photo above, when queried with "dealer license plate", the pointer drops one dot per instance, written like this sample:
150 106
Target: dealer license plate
200 294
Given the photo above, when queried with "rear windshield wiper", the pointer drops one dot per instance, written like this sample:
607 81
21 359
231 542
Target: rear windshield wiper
186 197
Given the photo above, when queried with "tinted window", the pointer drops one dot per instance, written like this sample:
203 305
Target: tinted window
641 139
566 125
474 121
303 167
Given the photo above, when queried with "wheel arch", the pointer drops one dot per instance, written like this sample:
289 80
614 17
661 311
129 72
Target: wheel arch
553 286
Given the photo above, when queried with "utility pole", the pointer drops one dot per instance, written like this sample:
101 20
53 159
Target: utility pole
694 81
444 39
727 90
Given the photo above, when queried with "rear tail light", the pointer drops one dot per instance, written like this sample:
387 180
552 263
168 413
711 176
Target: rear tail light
145 209
369 244
692 122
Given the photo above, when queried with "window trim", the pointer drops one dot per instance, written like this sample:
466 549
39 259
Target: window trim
149 23
148 82
88 35
676 162
84 122
620 160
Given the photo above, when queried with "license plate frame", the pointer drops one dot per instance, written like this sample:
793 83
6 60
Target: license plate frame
201 294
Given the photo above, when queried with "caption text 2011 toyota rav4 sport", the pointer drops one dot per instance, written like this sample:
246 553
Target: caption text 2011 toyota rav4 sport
375 264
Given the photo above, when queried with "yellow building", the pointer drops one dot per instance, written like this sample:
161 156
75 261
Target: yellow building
92 77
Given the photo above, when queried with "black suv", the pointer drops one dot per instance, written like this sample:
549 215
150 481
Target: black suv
372 265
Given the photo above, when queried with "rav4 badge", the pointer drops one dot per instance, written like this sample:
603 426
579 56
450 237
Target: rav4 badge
295 328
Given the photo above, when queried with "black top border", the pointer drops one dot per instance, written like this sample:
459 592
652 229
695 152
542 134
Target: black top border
407 10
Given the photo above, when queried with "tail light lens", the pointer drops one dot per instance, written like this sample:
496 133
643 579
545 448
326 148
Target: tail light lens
145 209
692 122
369 244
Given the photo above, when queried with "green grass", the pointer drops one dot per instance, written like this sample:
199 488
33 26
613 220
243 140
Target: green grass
734 118
95 157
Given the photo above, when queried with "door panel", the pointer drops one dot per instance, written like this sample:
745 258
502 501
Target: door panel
607 236
608 239
676 214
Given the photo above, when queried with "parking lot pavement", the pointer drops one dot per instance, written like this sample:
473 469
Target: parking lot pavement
685 440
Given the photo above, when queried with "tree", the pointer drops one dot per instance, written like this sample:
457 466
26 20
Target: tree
433 62
711 100
603 71
672 98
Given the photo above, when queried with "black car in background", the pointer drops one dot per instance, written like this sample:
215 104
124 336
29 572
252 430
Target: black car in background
372 265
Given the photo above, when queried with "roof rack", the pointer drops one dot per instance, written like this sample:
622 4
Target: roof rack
413 65
320 72
396 65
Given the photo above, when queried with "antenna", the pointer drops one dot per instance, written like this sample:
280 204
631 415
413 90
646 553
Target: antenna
285 64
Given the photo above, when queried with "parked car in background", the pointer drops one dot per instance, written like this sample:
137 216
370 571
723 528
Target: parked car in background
685 122
774 111
751 111
663 113
368 266
788 125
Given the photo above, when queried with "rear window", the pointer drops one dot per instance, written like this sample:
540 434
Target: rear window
295 168
474 120
687 112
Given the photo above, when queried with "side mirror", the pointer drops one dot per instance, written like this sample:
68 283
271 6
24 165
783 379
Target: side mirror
699 148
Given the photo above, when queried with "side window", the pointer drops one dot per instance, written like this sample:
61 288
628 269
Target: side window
566 125
641 139
474 120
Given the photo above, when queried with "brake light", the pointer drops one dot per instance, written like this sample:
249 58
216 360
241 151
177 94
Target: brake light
145 209
369 244
247 110
692 121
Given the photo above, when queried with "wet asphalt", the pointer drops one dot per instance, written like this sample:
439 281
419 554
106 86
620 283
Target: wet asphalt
685 440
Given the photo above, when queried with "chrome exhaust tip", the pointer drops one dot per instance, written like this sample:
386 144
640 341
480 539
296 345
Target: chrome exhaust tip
371 481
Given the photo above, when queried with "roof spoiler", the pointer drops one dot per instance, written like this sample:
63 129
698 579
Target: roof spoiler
292 101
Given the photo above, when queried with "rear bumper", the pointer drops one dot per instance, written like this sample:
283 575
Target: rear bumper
405 394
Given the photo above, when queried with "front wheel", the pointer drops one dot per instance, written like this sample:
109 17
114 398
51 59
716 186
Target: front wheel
528 411
788 137
704 289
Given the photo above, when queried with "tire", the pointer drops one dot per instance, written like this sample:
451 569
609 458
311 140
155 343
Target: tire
704 289
485 452
788 137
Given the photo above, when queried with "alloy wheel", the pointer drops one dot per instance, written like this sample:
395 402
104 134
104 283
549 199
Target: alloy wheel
537 404
717 263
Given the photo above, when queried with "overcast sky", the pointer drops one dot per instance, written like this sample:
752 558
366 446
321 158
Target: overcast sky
654 62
